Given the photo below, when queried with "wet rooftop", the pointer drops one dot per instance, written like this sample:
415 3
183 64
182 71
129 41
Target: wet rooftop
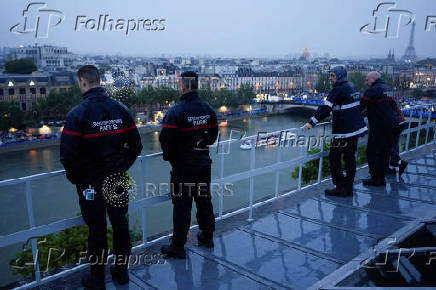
302 240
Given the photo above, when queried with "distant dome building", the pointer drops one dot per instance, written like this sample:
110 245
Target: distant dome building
306 54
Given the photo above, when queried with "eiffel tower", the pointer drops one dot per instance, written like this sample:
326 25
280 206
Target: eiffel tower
410 54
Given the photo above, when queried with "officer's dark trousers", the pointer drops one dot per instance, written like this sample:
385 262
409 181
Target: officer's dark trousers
345 147
378 151
395 150
189 183
94 215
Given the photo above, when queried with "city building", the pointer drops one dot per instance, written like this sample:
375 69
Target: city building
265 81
48 58
27 89
24 89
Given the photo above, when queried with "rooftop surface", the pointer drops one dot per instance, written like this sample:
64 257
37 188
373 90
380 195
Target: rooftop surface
296 241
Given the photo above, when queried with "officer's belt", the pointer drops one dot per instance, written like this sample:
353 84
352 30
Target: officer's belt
347 106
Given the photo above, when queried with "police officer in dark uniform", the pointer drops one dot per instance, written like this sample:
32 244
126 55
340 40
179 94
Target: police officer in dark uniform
378 100
347 126
188 129
100 141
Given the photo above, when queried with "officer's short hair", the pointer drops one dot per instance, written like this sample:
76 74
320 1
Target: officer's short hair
190 80
89 73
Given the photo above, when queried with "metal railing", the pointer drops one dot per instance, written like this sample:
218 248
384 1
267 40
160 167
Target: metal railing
38 231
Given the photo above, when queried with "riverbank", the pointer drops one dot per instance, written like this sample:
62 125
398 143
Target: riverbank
30 145
142 130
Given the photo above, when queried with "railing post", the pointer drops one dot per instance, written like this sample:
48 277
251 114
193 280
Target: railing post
408 130
221 191
321 158
144 209
303 153
34 243
428 123
434 131
279 154
252 166
419 130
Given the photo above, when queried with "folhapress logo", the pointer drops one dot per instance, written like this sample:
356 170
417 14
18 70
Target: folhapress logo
38 19
106 23
387 20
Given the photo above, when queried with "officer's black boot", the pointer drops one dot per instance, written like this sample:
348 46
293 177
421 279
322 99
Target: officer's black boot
205 240
173 251
119 274
403 165
338 191
374 181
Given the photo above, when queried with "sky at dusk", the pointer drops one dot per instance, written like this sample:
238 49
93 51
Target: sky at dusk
226 28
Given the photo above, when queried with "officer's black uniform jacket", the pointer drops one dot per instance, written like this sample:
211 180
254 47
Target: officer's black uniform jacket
344 101
187 130
381 107
98 139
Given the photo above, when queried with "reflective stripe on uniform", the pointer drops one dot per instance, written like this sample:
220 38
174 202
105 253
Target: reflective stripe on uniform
65 131
198 127
347 106
360 131
314 120
111 132
169 126
327 103
378 100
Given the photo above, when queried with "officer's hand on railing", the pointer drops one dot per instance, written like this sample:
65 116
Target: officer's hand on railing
307 126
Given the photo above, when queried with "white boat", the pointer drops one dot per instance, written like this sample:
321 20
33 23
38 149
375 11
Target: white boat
246 145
